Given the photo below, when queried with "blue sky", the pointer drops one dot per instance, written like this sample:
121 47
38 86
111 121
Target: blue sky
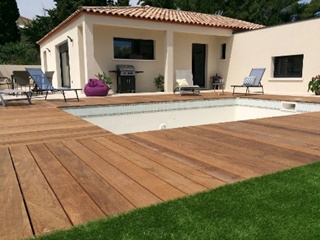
31 8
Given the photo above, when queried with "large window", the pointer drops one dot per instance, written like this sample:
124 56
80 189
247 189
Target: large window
125 48
288 66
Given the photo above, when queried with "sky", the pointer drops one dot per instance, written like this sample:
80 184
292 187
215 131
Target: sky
31 8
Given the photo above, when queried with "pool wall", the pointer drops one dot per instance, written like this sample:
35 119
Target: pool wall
124 109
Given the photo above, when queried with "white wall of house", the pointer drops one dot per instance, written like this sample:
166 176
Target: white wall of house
183 53
257 49
50 56
91 50
105 61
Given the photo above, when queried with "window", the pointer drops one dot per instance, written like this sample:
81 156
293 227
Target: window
223 51
125 48
288 66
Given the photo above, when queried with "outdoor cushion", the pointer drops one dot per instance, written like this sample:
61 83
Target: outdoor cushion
182 82
248 81
96 87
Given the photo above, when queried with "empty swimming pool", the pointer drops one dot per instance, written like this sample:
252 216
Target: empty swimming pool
128 118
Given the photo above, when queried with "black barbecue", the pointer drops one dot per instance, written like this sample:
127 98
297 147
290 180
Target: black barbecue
126 78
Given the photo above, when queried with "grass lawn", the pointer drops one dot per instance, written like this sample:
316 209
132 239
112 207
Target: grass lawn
284 205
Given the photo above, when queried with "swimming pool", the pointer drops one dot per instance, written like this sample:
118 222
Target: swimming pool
138 117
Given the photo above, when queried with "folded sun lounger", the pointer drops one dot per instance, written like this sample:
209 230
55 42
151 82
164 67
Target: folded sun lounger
43 83
14 92
185 83
252 81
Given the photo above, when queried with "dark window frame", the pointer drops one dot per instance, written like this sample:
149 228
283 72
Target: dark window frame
290 66
223 51
129 48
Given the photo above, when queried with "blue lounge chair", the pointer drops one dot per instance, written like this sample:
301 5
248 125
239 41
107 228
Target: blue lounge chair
252 81
43 83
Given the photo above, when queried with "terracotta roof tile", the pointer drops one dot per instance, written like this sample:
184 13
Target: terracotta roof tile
162 15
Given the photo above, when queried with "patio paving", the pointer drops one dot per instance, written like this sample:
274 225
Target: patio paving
57 170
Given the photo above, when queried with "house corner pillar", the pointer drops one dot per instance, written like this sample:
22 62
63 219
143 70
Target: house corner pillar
169 63
88 49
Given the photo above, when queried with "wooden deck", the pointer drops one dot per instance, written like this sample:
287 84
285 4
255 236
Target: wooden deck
57 170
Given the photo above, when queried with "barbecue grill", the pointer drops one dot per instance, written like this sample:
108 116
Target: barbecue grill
126 78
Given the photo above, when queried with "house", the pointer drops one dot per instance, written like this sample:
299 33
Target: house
23 21
289 52
154 40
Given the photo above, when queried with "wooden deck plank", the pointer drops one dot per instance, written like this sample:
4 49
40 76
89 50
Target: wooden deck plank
178 144
215 152
304 122
31 126
129 188
266 141
225 148
75 201
158 156
14 222
262 157
104 195
178 181
34 127
264 137
296 135
45 211
50 135
182 157
155 185
266 152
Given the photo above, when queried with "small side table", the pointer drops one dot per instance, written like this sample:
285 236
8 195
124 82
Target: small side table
219 85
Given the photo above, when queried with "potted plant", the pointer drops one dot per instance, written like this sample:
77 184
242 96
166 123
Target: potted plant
314 85
159 82
105 78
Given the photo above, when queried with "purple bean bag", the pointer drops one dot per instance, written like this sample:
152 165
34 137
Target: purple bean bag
96 87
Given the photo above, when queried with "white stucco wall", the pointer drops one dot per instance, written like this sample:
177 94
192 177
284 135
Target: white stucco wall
104 55
183 53
91 50
256 49
50 56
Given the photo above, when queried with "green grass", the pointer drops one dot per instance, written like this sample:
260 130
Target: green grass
284 205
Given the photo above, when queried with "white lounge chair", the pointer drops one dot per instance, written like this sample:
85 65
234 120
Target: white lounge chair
185 83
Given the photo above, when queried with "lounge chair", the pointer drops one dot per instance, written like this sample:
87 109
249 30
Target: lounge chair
185 83
21 79
252 81
43 83
49 75
14 92
4 81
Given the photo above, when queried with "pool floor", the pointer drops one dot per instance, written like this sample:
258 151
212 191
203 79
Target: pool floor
140 122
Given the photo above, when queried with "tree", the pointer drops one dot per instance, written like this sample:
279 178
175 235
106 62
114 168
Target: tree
311 9
265 12
19 53
39 27
171 4
9 14
123 3
64 8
